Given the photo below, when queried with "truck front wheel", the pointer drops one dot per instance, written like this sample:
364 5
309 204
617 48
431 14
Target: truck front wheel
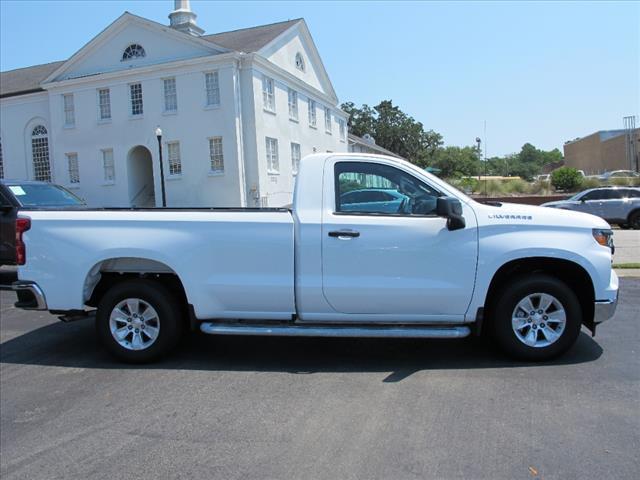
138 321
536 318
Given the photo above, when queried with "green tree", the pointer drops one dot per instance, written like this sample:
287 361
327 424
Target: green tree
394 130
456 162
566 178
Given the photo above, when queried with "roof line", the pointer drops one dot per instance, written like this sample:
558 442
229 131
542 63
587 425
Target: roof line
251 28
31 66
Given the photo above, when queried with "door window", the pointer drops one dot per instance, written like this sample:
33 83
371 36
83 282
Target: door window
376 189
594 195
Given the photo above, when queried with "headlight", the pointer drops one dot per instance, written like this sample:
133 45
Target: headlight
604 237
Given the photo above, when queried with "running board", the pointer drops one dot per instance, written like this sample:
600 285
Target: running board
337 331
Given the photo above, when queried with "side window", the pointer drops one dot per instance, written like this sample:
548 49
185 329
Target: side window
372 188
632 193
594 195
614 195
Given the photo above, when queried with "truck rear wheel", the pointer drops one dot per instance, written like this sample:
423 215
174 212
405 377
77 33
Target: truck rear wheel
138 321
536 318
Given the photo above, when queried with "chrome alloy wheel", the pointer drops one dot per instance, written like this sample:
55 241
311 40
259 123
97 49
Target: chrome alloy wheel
134 324
538 320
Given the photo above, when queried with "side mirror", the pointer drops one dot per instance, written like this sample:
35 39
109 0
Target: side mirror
451 209
582 200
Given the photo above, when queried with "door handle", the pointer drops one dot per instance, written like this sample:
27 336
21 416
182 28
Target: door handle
344 233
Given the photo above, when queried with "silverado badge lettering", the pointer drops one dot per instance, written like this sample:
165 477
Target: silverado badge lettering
499 216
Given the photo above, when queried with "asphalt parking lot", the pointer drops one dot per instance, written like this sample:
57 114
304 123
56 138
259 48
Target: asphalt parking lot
256 408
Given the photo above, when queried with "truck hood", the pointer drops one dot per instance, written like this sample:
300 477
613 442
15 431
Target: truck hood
558 203
518 214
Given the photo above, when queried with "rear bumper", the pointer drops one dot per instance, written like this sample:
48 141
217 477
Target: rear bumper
30 296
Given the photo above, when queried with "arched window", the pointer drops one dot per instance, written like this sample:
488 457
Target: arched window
133 51
40 154
299 61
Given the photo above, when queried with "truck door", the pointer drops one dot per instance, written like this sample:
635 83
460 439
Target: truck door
402 265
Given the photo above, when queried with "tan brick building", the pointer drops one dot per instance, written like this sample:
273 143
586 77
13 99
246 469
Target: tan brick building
602 151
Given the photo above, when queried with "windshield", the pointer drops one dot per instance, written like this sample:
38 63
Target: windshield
44 195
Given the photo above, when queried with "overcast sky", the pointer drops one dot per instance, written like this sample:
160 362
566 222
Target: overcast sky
538 72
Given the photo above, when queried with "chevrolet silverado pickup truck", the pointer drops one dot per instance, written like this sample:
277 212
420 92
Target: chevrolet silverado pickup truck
437 265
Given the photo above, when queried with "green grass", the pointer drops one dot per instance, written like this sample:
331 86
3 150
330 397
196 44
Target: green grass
626 265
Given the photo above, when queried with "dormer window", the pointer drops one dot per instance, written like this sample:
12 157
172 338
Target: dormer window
299 62
133 51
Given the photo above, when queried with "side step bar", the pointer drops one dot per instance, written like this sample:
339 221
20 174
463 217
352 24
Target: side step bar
337 331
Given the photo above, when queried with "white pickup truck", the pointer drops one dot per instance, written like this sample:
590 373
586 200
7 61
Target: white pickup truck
372 247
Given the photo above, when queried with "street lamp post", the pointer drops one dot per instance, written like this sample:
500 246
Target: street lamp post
159 137
478 141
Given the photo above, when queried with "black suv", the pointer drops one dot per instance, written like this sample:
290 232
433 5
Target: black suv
17 194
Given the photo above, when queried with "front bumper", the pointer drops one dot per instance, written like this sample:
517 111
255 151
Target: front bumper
604 310
30 296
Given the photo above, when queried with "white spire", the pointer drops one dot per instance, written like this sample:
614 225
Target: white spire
183 19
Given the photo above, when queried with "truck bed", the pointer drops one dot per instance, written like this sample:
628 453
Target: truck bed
234 263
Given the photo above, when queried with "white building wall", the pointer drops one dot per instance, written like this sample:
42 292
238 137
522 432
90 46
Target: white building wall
191 125
278 189
18 116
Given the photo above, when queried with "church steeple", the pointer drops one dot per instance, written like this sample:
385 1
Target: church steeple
183 19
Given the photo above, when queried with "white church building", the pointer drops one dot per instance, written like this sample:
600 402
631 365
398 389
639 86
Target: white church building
235 112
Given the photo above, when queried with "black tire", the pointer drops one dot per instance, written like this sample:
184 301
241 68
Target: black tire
505 306
168 321
634 220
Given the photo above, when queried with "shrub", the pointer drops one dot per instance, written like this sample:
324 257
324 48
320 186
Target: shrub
566 178
468 184
516 186
621 181
590 183
541 187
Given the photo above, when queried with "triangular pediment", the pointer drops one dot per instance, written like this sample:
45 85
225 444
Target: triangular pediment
294 44
104 53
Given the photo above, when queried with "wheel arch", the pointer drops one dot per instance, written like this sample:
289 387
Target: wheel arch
633 212
569 272
107 272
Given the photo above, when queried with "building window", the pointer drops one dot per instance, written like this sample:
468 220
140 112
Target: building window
104 104
107 166
313 118
1 161
268 95
299 62
73 167
273 164
133 51
295 157
212 86
135 90
170 95
216 156
173 155
327 120
293 104
69 110
40 154
343 129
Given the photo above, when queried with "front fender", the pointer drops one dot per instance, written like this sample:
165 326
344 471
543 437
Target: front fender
576 245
